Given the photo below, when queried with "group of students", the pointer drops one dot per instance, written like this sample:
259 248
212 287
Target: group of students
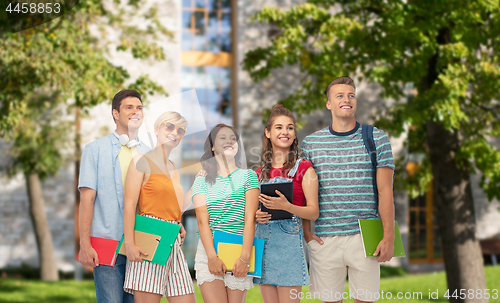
330 185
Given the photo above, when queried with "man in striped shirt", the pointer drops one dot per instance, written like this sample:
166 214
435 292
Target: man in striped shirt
346 194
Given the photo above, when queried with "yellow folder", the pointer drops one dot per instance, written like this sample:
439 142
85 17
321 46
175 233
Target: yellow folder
229 253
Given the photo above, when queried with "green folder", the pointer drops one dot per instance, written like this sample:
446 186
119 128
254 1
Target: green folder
372 232
167 231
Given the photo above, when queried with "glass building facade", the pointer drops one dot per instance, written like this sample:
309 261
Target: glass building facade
207 63
207 67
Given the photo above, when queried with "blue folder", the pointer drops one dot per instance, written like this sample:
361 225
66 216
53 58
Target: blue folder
225 237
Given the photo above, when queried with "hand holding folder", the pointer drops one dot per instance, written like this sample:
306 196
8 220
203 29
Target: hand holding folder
372 232
229 253
228 248
145 241
157 233
105 249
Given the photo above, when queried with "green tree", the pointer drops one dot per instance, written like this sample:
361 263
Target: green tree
50 72
449 51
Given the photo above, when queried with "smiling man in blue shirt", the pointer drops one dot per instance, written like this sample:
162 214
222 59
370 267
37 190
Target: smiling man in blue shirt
103 168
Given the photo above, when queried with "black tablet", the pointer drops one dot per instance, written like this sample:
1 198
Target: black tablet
286 188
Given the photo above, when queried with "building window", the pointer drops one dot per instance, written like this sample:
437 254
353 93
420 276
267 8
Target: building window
206 26
424 238
207 65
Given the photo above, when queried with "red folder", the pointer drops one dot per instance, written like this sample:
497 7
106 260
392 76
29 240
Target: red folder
105 249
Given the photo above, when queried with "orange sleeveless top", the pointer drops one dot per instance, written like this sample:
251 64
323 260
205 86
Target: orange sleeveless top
161 196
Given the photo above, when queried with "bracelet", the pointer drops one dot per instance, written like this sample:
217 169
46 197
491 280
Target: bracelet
247 264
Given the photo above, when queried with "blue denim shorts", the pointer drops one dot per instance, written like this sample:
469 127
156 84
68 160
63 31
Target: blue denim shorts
284 262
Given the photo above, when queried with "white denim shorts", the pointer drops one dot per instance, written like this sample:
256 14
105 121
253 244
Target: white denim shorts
203 274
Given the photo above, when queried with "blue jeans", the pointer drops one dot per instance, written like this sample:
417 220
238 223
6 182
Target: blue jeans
109 282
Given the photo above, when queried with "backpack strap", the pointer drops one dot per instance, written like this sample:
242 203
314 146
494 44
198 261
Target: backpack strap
294 169
367 133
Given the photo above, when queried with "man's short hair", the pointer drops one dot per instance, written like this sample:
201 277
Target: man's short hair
340 80
118 98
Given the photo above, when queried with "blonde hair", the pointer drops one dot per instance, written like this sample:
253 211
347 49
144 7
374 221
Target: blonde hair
172 117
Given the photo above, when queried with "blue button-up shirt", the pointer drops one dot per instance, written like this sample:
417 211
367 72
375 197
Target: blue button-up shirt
100 170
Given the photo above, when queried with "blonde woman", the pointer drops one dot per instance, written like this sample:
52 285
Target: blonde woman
153 183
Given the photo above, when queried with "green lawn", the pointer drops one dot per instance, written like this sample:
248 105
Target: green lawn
29 291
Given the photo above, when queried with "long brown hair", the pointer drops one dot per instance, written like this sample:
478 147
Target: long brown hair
266 157
208 159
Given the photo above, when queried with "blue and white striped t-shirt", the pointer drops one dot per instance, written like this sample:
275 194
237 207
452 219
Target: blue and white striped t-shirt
344 171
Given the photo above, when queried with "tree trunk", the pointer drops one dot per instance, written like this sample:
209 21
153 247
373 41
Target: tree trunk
78 154
462 255
457 223
48 266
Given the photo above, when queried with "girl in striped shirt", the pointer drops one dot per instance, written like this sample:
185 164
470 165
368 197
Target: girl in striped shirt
226 199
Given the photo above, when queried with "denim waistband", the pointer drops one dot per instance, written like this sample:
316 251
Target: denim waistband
294 219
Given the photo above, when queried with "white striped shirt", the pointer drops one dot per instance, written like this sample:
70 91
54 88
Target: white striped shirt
226 199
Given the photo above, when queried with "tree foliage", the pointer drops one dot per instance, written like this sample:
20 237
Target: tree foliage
48 71
66 62
397 44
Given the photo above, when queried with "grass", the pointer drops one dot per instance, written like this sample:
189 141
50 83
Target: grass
29 291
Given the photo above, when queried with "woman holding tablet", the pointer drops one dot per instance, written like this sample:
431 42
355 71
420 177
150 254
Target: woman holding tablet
226 199
284 273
